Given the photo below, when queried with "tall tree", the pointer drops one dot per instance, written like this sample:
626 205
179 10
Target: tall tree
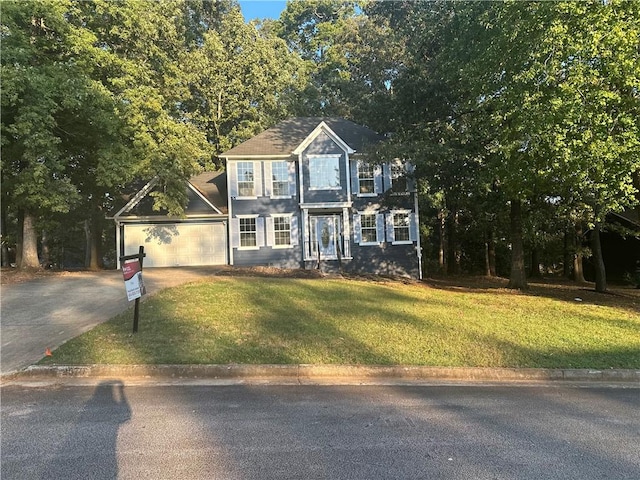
42 86
241 80
550 90
91 95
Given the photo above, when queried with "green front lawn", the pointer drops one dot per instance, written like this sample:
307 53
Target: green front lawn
337 321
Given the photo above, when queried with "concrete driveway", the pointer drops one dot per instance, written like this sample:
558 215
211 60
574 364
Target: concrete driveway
46 312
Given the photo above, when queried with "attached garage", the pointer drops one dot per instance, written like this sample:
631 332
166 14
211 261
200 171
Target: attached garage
198 238
178 244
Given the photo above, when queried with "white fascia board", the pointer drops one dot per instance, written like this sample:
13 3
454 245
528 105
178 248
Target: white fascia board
257 157
137 197
203 198
326 205
164 218
323 127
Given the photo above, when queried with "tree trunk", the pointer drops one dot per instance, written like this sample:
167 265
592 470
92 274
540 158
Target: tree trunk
29 257
454 240
518 277
567 260
19 237
46 252
578 270
598 261
93 245
442 252
535 263
3 236
491 253
87 243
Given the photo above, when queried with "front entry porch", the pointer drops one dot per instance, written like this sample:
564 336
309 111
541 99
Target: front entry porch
326 235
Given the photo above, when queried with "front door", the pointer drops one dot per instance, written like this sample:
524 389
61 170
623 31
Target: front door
325 235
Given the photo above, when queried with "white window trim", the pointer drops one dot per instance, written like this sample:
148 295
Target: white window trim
257 180
270 180
378 241
404 167
408 214
315 156
240 247
374 168
279 215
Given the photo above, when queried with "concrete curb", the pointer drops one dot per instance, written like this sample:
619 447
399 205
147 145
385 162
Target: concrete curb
317 374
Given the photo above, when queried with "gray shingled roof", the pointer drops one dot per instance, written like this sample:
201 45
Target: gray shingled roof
212 186
285 137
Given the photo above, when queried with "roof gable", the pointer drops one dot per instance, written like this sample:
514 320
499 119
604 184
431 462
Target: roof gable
287 137
323 127
206 195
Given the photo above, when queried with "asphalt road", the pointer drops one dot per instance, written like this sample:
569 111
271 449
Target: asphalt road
320 432
46 312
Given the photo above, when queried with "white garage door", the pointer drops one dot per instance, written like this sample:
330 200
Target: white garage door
178 244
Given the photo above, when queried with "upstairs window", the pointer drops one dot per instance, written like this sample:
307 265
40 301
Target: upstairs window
398 177
245 179
279 179
324 172
366 178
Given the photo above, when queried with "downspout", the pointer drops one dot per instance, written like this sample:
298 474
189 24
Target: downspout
418 245
229 213
117 243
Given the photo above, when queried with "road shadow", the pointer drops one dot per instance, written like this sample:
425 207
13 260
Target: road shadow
95 430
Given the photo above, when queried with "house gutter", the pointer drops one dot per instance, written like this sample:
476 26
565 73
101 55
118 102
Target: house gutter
418 244
229 213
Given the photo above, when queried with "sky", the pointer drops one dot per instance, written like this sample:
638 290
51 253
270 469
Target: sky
262 8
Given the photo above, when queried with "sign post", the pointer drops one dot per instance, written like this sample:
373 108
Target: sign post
132 273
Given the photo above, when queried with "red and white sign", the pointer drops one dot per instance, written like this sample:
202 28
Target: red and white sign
132 273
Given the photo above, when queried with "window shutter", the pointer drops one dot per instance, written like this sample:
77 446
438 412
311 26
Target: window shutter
355 185
413 227
270 235
379 227
386 177
234 225
292 178
257 179
232 172
260 231
377 179
268 179
294 230
357 229
391 237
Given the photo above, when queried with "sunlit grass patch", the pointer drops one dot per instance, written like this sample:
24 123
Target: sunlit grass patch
336 321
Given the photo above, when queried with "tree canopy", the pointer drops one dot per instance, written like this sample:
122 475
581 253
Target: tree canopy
521 117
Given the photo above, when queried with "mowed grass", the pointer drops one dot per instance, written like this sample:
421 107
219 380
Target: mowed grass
251 320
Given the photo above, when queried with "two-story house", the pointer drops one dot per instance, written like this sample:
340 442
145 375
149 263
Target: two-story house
303 195
299 195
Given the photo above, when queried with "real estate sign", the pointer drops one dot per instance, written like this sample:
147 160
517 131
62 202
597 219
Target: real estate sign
132 273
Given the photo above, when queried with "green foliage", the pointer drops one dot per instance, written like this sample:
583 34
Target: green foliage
537 99
240 80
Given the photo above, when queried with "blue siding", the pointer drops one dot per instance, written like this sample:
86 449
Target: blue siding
382 259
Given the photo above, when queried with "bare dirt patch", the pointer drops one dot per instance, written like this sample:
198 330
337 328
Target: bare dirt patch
9 276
